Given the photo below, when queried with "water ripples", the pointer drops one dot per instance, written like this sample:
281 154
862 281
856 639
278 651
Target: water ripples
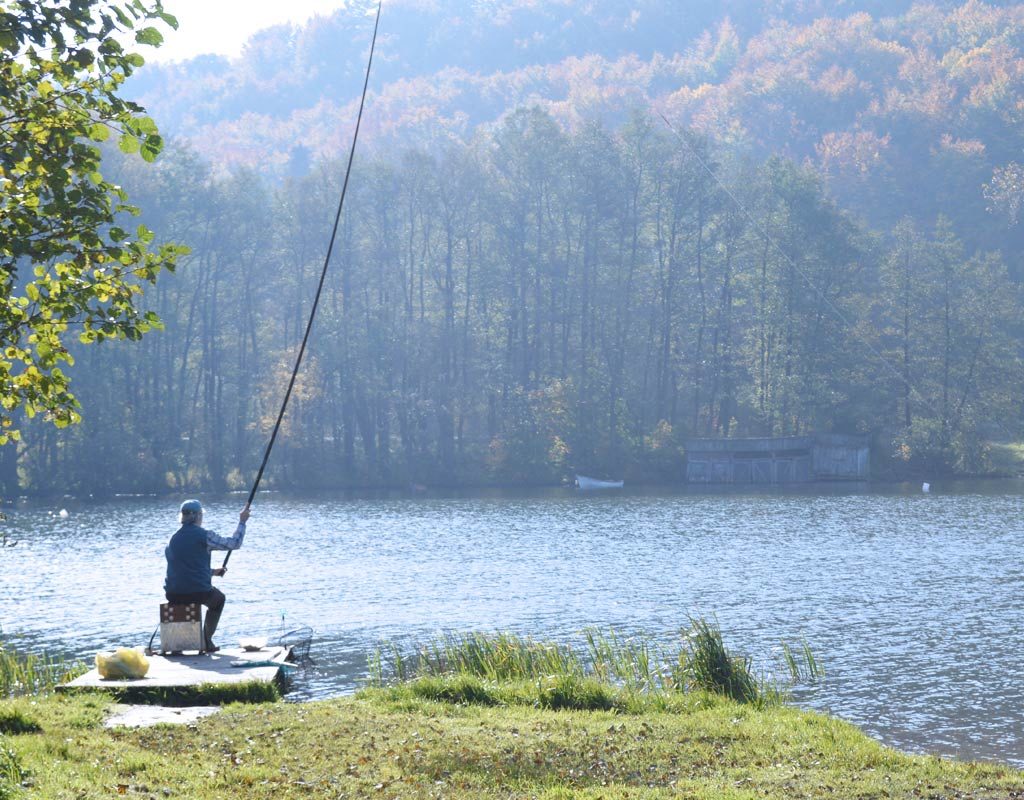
911 602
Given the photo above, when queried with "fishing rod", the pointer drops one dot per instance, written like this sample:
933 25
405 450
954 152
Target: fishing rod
323 276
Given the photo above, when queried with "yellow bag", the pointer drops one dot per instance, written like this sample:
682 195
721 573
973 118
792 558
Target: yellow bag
122 663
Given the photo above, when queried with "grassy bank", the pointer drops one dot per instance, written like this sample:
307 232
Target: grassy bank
389 743
492 717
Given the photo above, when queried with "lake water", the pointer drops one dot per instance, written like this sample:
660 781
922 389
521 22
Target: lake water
912 602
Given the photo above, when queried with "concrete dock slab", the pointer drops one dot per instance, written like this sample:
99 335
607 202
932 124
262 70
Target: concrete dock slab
196 670
135 716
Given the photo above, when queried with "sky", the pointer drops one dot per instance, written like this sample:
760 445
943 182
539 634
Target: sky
223 26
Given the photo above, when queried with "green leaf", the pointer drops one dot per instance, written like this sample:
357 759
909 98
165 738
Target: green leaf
84 58
128 143
99 132
150 36
151 147
170 19
145 125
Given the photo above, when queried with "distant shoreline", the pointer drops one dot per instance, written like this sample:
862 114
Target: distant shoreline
911 485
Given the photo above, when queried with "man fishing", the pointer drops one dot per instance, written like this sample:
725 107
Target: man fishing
188 565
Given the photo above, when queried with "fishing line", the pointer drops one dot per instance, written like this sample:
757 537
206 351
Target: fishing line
323 275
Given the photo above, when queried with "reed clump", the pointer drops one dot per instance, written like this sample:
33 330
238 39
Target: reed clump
802 664
704 663
609 671
502 657
28 673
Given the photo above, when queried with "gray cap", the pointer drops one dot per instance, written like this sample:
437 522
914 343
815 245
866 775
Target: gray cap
192 507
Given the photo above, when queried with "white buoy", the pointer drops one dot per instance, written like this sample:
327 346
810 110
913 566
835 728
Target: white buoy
64 513
926 487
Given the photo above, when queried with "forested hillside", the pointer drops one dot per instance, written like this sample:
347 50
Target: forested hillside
905 108
536 276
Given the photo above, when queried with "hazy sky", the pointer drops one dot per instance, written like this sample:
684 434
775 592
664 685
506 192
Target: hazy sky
222 26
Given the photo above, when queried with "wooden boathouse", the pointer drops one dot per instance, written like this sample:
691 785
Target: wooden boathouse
778 459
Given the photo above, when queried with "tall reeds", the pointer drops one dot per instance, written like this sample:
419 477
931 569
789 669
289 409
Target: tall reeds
802 665
500 657
27 673
632 663
704 663
609 671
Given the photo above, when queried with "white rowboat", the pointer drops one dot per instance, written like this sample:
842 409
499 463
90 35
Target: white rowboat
592 484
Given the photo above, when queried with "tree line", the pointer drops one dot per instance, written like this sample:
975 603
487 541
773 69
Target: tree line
905 108
533 303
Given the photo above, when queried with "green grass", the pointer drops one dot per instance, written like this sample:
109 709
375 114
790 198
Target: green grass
13 721
705 664
497 657
26 673
398 745
493 717
206 694
609 672
802 665
631 662
11 773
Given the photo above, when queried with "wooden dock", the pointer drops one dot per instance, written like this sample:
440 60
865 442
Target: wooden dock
188 671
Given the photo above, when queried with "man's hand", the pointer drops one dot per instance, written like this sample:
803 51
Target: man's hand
219 573
244 515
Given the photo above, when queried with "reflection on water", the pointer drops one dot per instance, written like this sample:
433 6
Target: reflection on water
909 600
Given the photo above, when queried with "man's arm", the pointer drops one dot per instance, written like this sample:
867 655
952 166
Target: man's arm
216 542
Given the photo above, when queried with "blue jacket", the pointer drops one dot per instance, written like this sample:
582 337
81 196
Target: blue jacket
188 561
